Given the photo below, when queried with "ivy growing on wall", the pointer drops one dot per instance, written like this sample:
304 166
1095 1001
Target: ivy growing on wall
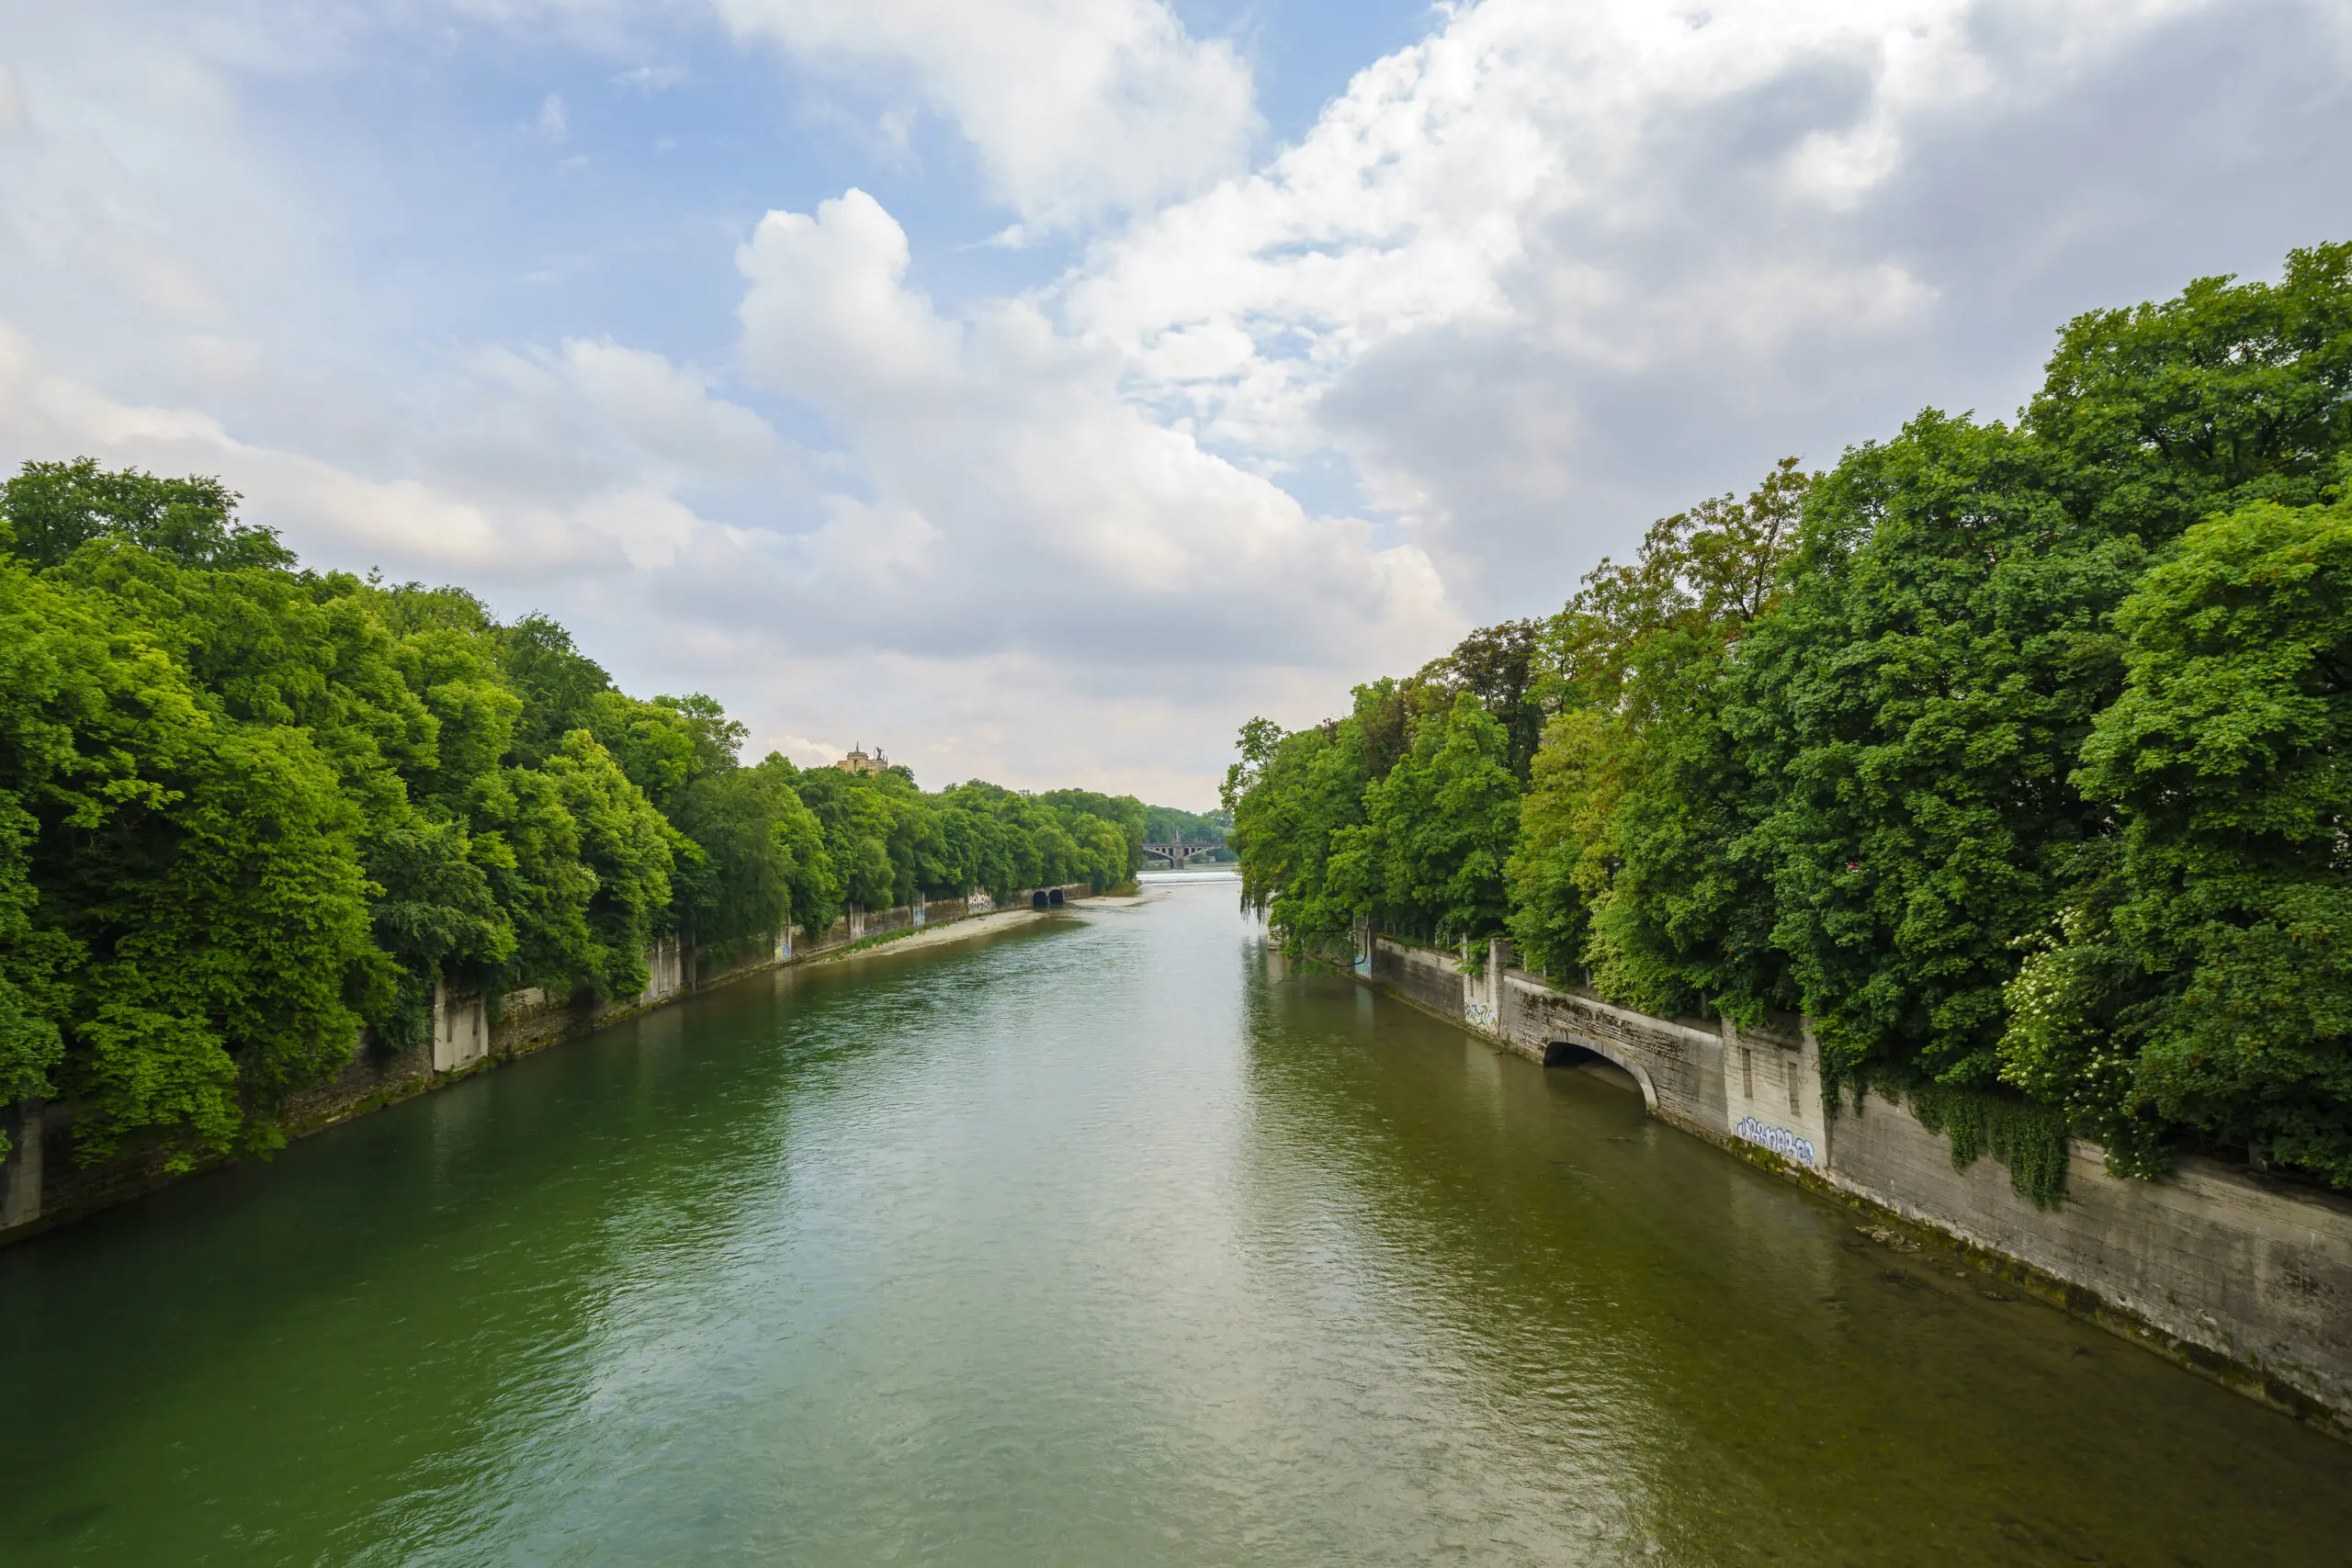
2028 1138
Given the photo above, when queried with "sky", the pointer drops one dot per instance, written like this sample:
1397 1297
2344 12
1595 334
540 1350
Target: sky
1039 389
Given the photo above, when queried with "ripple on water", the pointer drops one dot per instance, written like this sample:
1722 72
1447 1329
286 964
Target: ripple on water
1104 1240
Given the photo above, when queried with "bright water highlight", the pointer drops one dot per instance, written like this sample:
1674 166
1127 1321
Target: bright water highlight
1107 1241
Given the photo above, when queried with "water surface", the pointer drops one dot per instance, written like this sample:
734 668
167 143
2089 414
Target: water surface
1108 1241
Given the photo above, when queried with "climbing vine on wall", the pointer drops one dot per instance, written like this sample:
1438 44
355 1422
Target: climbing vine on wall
2029 1139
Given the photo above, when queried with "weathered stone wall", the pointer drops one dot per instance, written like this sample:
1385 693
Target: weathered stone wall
2227 1264
1680 1065
2247 1277
1423 975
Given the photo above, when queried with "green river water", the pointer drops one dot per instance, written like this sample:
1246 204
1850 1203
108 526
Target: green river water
1105 1241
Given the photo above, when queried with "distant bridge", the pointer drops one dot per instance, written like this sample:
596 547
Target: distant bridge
1179 854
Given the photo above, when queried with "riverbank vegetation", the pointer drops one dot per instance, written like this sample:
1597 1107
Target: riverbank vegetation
2013 754
248 810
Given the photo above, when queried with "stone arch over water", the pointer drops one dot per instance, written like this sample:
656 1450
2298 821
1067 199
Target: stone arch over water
1037 900
1572 1053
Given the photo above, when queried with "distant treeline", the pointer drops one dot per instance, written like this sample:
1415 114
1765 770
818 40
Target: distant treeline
246 808
2014 755
1166 825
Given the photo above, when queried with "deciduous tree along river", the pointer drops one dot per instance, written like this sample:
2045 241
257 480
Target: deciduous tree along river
1109 1240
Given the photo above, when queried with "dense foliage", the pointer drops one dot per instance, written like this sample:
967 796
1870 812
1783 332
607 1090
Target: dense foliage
2013 755
248 811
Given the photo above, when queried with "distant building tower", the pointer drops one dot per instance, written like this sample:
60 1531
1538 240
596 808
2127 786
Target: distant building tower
858 762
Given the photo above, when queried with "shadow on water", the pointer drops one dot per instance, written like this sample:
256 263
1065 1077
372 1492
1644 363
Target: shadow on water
1709 1366
406 1302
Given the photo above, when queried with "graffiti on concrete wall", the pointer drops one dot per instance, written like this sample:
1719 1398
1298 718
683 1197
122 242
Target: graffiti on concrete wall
1779 1140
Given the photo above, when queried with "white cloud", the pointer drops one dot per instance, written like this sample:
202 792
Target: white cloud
1426 197
1017 495
1077 108
551 126
1550 272
650 79
16 120
1508 261
667 414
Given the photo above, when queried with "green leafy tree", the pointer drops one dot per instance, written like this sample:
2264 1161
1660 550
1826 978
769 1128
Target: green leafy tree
2204 978
1292 796
53 509
1084 815
1682 919
91 716
557 682
1174 825
225 937
856 820
1629 865
1865 744
1503 667
436 917
626 847
653 742
741 883
1428 859
815 897
2159 415
1916 706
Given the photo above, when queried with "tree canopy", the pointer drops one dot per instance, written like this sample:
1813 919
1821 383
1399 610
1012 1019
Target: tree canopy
249 811
2012 754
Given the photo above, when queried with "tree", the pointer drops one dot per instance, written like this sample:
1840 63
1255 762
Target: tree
556 682
2160 415
626 847
856 820
1929 747
1501 666
815 890
1916 706
740 883
52 509
2204 979
1292 796
1629 863
1173 825
88 714
1428 859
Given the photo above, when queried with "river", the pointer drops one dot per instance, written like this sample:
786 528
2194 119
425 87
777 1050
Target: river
1107 1240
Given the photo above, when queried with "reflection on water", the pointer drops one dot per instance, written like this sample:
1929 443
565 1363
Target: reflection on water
1107 1240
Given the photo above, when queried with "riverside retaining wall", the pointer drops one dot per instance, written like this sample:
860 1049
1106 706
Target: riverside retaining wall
2240 1275
41 1184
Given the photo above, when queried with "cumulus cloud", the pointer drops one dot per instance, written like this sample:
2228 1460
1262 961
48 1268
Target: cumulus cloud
45 413
1557 266
1017 497
1076 109
1286 425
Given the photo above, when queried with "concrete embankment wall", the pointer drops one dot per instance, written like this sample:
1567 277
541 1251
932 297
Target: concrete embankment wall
41 1184
2244 1277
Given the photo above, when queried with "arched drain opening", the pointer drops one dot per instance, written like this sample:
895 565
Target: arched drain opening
1585 1059
1037 901
1053 899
